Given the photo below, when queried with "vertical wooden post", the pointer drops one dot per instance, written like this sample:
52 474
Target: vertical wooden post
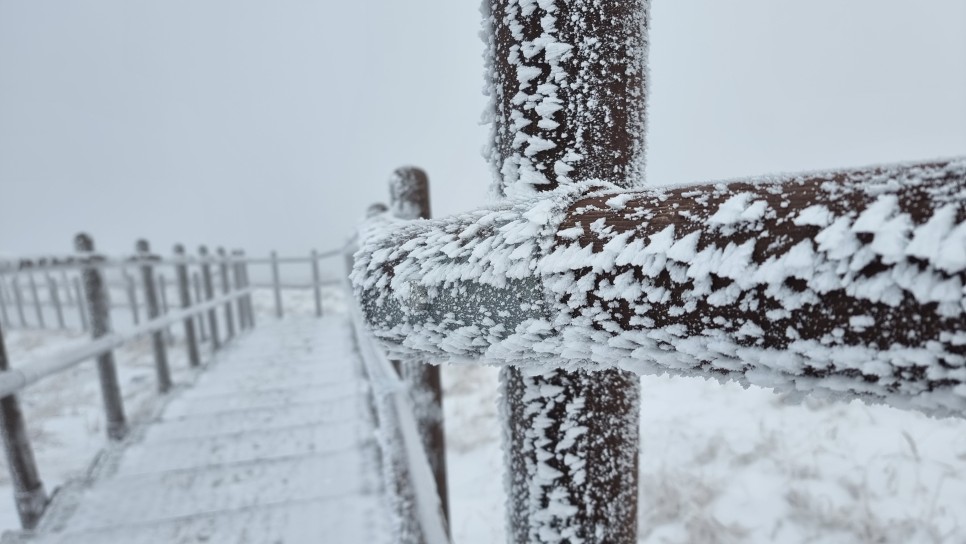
562 115
132 296
3 304
65 282
153 308
35 293
249 305
55 299
98 307
81 309
202 329
277 285
316 283
409 199
28 490
18 297
163 291
239 278
184 293
210 295
226 289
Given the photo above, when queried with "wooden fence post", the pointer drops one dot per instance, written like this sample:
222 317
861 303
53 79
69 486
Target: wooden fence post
55 299
98 307
28 490
226 289
202 328
239 277
316 283
65 281
132 296
210 295
184 293
18 298
153 309
163 291
3 304
35 293
277 286
249 305
409 199
562 116
81 309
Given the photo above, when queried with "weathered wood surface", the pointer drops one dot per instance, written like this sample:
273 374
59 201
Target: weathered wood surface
844 283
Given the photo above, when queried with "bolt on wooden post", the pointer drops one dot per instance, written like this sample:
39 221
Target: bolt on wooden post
184 293
563 115
409 199
226 289
210 295
98 306
153 312
29 493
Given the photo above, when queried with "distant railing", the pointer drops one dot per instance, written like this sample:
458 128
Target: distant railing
210 288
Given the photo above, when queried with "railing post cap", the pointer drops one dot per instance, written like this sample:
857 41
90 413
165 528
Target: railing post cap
142 246
179 249
83 242
203 250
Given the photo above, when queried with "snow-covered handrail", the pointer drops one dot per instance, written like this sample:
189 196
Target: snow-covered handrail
847 283
15 380
410 478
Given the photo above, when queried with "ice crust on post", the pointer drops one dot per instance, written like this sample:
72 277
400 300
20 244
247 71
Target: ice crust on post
841 284
567 81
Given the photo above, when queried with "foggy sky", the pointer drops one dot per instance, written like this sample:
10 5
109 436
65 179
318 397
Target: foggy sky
272 125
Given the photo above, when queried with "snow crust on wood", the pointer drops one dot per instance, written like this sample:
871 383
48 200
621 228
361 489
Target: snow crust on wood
566 105
842 284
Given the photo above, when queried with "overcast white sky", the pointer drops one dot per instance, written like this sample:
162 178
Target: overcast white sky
274 124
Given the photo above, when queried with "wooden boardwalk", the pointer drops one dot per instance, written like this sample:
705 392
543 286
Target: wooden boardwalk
273 444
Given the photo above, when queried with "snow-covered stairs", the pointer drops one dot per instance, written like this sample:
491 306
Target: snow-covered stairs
273 444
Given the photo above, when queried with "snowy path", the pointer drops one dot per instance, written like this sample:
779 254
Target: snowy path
272 444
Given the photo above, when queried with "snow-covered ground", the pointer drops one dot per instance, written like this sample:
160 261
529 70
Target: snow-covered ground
718 463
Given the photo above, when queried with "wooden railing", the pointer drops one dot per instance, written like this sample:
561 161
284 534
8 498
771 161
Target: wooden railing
210 307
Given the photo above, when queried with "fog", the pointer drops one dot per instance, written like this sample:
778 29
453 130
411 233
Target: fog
272 125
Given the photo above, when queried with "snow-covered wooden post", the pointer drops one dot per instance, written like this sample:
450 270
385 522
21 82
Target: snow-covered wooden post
163 292
35 293
18 298
409 199
202 328
55 300
132 297
79 299
567 84
210 295
223 260
4 313
316 283
153 308
237 271
28 490
246 282
65 282
98 306
184 294
277 286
